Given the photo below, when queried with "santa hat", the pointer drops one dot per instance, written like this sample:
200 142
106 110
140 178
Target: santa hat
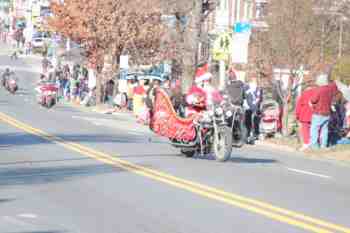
202 74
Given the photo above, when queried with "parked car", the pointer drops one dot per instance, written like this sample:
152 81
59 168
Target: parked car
39 40
141 76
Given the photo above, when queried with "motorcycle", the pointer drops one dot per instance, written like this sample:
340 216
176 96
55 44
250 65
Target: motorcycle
47 96
11 85
205 133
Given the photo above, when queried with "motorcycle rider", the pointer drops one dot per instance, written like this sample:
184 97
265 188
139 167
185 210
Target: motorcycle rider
202 94
235 89
5 76
235 92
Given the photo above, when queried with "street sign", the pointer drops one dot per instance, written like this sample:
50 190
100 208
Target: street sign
242 27
222 47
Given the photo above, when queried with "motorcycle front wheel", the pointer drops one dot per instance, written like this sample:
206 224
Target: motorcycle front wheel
222 143
13 90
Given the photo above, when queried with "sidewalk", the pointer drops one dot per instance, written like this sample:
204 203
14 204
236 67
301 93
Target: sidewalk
338 153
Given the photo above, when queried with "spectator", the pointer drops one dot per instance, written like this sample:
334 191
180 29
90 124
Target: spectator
109 92
321 102
130 94
254 96
303 114
138 98
337 119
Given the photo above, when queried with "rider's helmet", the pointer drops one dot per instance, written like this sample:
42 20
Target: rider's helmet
7 70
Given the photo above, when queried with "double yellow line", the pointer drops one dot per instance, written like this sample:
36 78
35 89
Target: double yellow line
262 208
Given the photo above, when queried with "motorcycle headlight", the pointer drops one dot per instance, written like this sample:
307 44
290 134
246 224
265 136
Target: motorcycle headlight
219 111
229 113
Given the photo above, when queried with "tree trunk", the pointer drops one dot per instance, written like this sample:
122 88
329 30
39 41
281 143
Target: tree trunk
189 41
286 105
98 88
285 120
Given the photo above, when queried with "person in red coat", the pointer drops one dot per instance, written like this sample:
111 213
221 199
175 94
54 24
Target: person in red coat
303 113
202 94
321 103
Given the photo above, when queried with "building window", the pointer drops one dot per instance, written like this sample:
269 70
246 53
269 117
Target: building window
260 10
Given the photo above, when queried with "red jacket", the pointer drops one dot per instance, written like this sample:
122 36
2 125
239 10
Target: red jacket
196 100
303 110
322 99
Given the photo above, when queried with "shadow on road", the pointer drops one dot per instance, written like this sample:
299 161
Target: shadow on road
252 160
6 200
234 159
31 162
8 140
46 175
38 232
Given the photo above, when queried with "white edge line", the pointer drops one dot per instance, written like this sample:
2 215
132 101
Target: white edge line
308 173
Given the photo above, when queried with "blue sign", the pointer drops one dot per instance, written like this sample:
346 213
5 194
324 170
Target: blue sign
242 27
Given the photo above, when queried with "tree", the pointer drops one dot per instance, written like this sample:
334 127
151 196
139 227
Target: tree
295 37
110 28
341 70
190 16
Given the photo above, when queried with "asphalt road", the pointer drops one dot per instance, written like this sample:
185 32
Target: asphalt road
65 170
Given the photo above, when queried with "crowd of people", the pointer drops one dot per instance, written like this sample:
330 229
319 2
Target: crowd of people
139 96
72 82
323 114
321 110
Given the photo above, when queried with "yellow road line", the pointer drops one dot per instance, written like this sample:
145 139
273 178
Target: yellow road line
262 208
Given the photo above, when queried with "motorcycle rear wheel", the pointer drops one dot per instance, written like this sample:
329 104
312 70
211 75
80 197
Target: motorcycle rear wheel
222 143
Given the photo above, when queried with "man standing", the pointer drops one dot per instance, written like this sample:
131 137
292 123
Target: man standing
252 103
321 103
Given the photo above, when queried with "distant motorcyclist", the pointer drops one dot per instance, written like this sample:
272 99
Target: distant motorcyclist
5 76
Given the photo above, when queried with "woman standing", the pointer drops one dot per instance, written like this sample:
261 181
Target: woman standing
303 113
138 98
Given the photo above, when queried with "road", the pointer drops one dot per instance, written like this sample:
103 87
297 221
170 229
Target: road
70 171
